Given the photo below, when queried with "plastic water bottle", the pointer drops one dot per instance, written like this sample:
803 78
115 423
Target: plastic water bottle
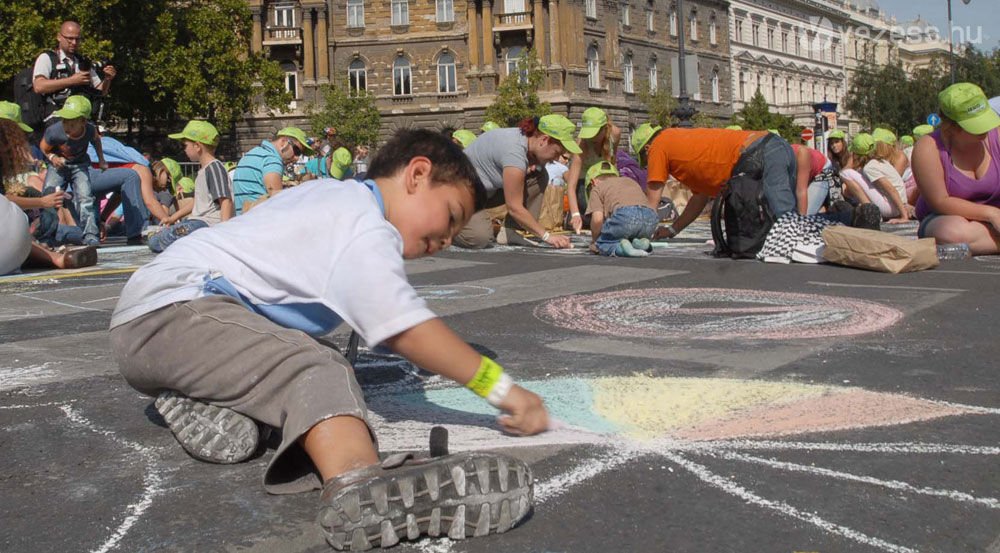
954 252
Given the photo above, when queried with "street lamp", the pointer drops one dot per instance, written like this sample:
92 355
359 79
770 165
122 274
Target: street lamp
684 111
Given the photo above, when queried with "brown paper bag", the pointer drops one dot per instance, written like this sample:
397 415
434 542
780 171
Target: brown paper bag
878 251
551 216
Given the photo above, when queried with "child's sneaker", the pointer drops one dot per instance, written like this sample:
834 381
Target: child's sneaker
405 498
208 432
867 216
625 249
642 244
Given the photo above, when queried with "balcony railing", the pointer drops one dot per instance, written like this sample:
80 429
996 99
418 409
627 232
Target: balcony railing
512 21
282 35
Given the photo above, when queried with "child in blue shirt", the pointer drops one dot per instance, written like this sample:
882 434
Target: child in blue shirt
65 145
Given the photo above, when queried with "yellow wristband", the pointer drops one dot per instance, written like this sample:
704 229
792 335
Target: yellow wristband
486 377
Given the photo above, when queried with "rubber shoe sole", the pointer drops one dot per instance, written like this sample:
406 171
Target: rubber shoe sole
208 432
456 496
867 216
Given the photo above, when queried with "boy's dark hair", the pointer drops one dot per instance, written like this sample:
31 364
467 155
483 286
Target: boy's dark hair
449 164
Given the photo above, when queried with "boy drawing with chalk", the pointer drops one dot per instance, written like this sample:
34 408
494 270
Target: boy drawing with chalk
245 299
621 222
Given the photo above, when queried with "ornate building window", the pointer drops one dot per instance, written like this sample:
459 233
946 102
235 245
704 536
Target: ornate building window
355 13
770 38
673 22
715 85
694 25
445 11
514 55
784 41
628 72
756 34
447 80
654 77
590 6
400 12
593 67
357 76
650 16
712 32
743 87
402 77
739 30
626 15
284 15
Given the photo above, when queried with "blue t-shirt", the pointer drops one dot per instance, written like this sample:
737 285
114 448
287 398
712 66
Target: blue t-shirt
248 178
317 166
55 136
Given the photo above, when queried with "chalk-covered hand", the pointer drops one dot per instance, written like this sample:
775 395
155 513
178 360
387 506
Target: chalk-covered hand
524 412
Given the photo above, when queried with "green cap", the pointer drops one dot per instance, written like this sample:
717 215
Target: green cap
75 108
863 144
922 130
641 135
186 184
906 139
884 135
300 137
594 120
774 131
12 111
229 165
561 129
464 137
340 163
734 128
598 169
966 104
173 168
837 133
198 131
489 126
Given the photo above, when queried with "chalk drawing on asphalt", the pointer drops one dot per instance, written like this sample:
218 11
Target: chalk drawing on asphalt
716 313
453 291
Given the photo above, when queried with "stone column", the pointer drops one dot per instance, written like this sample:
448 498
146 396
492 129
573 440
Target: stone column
255 40
554 34
322 45
489 54
308 48
538 18
473 36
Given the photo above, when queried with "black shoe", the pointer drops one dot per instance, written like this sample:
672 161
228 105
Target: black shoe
208 432
135 241
867 216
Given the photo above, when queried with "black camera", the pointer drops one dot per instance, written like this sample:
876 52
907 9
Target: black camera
84 65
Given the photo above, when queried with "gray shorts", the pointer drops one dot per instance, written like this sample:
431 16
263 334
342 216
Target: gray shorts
218 351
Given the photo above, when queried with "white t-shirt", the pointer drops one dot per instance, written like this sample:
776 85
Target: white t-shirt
43 67
877 168
557 172
308 258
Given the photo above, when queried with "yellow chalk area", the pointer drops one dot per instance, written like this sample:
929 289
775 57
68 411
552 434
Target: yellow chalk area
68 273
647 407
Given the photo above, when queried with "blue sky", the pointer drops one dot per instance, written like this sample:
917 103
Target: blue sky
979 13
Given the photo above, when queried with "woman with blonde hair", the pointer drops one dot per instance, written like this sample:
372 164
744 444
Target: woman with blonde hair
598 140
881 171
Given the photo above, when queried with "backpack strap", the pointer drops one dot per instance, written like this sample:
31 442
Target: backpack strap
718 236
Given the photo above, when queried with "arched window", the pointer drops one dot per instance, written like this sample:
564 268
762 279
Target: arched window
715 85
402 77
447 81
593 67
628 71
357 76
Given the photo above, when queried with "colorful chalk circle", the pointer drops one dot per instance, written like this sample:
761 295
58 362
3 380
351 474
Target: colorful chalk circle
716 314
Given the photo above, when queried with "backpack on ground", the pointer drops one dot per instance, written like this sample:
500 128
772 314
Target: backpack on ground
741 218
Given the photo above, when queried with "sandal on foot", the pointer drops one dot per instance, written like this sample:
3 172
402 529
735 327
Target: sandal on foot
208 432
404 498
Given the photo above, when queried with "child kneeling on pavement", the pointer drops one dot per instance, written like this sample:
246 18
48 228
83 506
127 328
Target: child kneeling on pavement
245 299
621 222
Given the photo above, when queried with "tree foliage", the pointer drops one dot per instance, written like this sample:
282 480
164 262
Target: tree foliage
756 115
659 102
517 96
354 115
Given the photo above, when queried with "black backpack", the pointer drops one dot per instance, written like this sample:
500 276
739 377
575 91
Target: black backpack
34 107
741 218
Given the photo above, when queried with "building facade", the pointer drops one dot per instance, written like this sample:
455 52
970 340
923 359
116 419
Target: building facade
438 63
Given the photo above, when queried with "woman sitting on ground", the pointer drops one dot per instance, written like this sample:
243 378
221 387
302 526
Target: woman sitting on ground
881 170
957 169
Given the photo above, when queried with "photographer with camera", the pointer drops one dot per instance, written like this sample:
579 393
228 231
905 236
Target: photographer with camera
63 72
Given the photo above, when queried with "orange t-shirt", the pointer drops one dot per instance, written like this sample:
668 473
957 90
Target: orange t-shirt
701 159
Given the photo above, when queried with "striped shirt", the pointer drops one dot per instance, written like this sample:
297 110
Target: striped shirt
248 180
211 184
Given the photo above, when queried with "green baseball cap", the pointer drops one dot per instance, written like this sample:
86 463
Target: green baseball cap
594 120
340 163
863 144
561 129
966 104
641 135
300 136
464 137
75 107
598 169
489 126
186 184
12 111
173 168
229 165
774 131
884 135
734 128
922 130
837 133
198 131
906 139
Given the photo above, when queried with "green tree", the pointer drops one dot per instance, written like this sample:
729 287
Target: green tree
979 67
517 96
354 115
660 103
756 115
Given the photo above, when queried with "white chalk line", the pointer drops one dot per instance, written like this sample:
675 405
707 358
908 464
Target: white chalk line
20 377
559 484
30 406
100 300
46 300
884 447
887 287
975 409
87 287
891 484
734 489
152 482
